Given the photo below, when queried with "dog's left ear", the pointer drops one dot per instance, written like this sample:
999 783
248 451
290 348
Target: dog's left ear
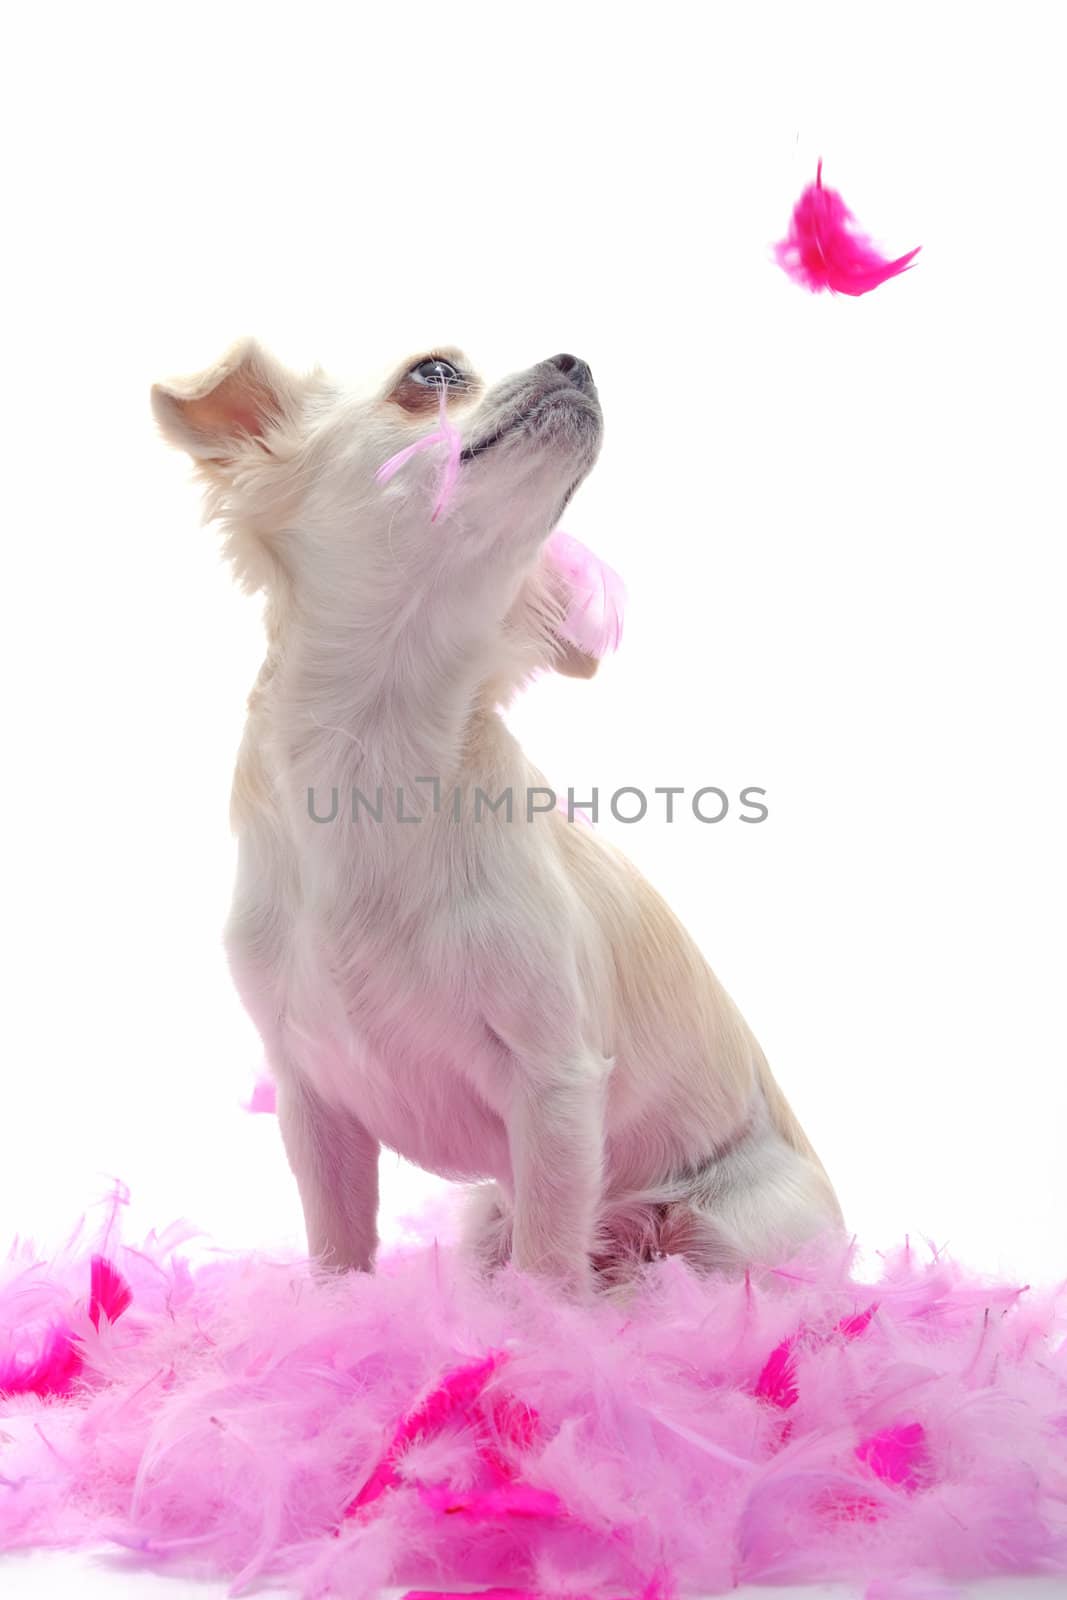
236 404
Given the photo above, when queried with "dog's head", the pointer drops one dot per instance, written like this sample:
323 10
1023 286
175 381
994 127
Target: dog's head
291 466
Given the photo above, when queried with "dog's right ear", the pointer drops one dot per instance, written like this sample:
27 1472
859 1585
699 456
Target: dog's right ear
239 402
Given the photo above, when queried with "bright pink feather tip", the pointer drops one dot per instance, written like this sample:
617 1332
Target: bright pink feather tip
59 1364
54 1371
475 1594
777 1382
657 1589
597 596
109 1293
897 1455
824 248
456 1391
504 1500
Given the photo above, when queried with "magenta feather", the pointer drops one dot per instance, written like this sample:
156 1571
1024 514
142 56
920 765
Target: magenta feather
109 1293
896 1454
53 1369
451 1399
47 1361
825 250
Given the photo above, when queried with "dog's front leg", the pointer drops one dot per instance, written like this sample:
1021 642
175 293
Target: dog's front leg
556 1142
335 1163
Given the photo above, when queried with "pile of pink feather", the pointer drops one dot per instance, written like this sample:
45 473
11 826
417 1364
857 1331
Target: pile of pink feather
235 1416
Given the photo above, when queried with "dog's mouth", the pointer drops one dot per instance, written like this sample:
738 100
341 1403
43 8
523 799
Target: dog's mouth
480 446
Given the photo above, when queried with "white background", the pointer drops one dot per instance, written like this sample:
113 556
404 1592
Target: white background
840 522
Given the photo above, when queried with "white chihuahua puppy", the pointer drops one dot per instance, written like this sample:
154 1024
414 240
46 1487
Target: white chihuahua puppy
495 997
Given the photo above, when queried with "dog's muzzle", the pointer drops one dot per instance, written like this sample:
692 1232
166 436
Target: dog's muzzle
563 382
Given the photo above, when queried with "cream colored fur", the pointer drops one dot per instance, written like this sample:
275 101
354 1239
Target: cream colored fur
496 1000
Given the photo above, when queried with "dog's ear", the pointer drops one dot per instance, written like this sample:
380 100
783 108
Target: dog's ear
219 412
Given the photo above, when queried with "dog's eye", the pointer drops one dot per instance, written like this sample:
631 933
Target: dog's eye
435 372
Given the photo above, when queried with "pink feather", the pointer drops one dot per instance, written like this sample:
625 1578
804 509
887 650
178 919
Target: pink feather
825 250
445 433
56 1364
263 1098
702 1434
54 1369
451 1397
593 621
109 1293
777 1380
506 1500
479 1594
654 1590
896 1454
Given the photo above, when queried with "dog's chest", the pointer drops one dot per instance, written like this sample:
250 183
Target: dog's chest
425 1109
420 1075
354 950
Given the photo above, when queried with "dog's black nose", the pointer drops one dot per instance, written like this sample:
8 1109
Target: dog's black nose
579 372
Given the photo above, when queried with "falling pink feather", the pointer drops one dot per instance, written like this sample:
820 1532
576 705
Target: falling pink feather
824 248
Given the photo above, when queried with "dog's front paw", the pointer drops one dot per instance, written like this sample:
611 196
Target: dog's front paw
570 1276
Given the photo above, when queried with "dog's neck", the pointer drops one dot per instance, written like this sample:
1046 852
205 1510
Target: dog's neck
372 697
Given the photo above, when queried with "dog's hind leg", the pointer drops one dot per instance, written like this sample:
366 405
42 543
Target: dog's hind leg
755 1206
